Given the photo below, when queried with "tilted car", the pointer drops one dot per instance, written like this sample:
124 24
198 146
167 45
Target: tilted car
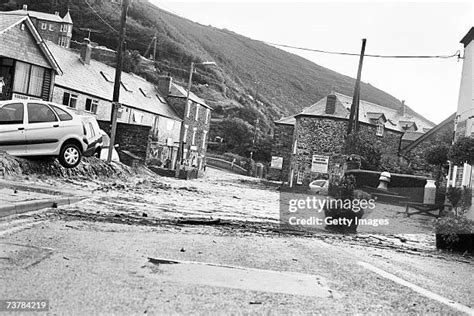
39 128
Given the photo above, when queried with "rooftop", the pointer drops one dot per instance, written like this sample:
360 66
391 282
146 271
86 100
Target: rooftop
97 79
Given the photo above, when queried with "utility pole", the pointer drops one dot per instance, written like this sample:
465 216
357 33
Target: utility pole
354 116
118 75
253 140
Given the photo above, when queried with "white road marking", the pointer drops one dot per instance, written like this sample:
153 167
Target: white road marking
416 288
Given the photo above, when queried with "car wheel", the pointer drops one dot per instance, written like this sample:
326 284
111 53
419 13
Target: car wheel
70 155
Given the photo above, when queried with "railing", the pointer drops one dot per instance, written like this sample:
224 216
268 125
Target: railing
224 164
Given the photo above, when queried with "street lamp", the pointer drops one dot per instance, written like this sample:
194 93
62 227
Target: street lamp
181 142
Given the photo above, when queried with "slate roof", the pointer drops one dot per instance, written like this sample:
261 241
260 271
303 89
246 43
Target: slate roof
90 79
411 136
7 22
180 92
40 15
288 120
366 113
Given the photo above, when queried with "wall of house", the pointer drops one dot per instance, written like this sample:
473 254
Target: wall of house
326 136
20 45
194 152
133 138
281 147
104 108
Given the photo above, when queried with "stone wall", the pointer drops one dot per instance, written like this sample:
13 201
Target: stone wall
281 147
133 138
325 136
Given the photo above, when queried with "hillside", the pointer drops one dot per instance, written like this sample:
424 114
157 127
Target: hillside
281 82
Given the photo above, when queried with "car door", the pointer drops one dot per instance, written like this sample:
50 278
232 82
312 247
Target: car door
12 128
42 131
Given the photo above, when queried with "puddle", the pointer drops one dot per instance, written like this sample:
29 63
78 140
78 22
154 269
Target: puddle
240 278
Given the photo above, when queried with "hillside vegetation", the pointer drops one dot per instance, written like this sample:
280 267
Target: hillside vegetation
252 80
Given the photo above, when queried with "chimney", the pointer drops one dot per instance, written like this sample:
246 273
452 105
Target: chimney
402 108
164 85
330 104
25 7
86 51
56 13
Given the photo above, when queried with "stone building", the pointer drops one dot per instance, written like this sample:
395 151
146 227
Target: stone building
318 133
27 66
52 27
196 116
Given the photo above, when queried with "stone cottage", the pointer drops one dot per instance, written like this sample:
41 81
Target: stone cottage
307 143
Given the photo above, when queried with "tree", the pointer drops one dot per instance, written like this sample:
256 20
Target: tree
358 145
237 135
131 61
462 151
437 156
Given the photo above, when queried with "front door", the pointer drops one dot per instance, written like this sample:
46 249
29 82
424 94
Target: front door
42 130
12 128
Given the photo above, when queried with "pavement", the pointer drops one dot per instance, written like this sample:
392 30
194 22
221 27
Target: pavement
20 197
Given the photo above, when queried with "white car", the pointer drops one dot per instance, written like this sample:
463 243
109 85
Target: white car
39 128
319 186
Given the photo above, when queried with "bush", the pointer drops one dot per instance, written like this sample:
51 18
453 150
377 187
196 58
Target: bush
462 151
342 188
370 155
455 233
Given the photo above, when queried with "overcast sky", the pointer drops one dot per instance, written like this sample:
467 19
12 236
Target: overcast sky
429 86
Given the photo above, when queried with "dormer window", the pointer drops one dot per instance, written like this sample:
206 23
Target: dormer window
380 128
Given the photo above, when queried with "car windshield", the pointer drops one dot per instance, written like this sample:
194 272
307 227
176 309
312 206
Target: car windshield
319 183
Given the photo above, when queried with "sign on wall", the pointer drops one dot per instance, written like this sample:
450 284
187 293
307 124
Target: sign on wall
320 164
277 162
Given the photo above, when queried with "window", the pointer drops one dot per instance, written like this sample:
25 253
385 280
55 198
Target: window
106 77
12 114
185 134
51 27
188 108
194 136
91 128
40 113
125 86
143 92
44 26
299 177
204 134
197 112
208 115
63 115
70 100
62 41
160 98
28 79
295 147
91 105
380 128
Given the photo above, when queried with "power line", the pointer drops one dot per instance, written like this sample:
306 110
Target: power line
457 54
100 17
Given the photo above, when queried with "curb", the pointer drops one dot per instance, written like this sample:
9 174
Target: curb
28 206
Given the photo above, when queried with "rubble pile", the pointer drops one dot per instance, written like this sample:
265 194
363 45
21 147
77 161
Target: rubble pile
89 168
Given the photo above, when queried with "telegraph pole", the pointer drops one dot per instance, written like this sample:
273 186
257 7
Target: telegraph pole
354 116
253 140
118 75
